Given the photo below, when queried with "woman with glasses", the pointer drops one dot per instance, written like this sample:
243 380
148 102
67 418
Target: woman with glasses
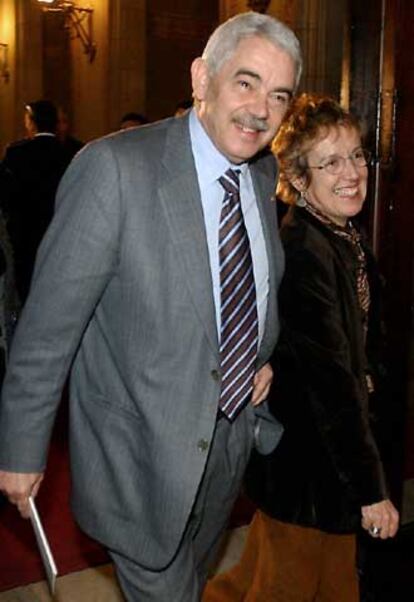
326 477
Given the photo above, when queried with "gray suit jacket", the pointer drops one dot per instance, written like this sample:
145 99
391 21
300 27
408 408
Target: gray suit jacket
122 294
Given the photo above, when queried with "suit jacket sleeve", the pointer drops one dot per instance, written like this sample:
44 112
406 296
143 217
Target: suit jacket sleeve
75 261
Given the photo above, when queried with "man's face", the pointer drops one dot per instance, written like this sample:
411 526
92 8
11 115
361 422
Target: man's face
242 105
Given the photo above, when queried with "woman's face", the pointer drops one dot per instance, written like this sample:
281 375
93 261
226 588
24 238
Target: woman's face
339 196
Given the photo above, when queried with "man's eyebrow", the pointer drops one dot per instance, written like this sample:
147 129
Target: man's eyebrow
257 77
287 91
247 72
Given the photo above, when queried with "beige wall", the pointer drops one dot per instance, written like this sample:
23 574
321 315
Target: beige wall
127 59
114 83
90 79
7 88
20 28
144 51
101 91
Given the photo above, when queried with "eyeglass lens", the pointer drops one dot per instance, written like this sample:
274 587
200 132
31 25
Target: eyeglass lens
336 163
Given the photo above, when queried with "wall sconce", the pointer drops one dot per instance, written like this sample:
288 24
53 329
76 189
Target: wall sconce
4 62
77 19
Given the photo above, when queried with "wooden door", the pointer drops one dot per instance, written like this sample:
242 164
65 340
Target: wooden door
381 87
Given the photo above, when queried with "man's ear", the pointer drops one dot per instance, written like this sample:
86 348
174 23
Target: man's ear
199 78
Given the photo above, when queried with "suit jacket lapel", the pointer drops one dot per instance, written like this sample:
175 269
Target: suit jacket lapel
180 195
264 184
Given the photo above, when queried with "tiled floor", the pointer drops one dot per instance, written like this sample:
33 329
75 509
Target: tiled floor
99 585
92 585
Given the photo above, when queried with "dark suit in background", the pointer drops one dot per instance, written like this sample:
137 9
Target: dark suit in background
33 169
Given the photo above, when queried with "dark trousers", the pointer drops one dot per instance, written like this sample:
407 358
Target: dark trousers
184 578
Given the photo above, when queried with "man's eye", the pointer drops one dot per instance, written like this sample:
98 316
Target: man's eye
244 84
358 154
280 98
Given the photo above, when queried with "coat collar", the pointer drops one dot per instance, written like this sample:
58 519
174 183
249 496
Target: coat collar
342 246
264 179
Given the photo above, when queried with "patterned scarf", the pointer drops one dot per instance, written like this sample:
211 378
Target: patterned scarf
351 234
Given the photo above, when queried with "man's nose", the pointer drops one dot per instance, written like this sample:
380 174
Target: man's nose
260 106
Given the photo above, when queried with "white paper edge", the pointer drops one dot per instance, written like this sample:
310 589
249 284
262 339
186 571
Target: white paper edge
44 548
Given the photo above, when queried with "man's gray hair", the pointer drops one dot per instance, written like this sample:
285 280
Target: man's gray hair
224 40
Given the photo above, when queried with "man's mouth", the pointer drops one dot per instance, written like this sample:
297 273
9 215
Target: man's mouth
251 125
248 130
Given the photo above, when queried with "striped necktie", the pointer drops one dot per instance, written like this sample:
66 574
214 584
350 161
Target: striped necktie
239 322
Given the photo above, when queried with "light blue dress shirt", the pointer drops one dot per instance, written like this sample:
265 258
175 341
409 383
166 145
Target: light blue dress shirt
210 165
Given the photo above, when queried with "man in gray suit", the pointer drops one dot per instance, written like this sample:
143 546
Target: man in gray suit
128 292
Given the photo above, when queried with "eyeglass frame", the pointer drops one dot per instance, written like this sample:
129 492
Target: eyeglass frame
367 158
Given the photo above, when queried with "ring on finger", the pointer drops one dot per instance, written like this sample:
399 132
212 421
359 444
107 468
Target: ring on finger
374 531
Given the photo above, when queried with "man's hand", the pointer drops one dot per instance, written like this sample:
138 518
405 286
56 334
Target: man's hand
18 486
261 384
381 519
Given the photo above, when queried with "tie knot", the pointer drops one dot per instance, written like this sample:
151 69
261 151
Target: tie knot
231 181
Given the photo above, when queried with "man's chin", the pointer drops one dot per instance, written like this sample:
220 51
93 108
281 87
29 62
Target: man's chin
247 151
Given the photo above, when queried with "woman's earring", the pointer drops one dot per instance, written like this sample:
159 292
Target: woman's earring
301 202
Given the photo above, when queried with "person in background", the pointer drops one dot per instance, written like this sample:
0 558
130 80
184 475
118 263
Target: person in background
132 120
70 144
326 476
9 300
32 169
157 285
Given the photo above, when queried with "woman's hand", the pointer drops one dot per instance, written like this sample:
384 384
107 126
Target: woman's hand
380 519
261 384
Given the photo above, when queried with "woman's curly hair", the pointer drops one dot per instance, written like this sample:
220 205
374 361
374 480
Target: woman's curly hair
308 120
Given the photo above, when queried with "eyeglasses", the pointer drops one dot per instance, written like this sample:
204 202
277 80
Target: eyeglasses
335 164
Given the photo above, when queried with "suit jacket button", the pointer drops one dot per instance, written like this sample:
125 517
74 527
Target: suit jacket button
215 374
202 445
